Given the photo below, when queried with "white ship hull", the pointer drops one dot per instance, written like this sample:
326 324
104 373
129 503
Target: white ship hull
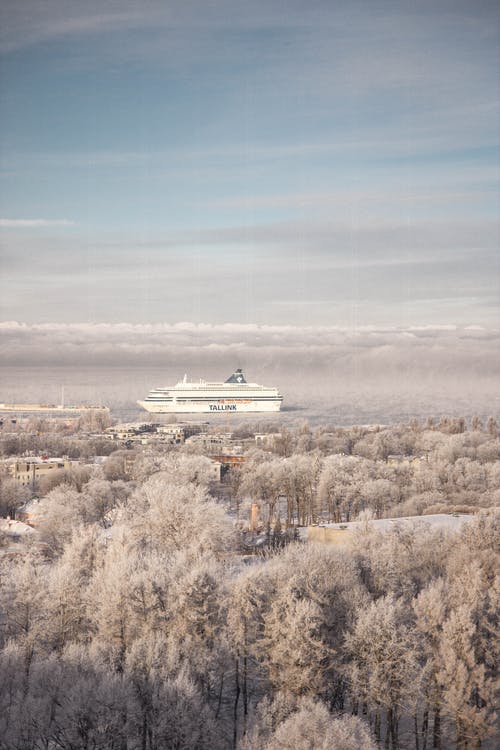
212 407
235 395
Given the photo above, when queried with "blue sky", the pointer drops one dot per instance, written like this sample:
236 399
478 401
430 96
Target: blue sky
264 162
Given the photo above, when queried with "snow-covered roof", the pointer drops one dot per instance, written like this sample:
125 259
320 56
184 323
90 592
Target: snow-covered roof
15 528
34 460
31 506
435 521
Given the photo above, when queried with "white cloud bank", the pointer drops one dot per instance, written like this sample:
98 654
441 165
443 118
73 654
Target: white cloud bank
370 351
341 375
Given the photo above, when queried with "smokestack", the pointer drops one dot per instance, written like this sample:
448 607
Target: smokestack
254 517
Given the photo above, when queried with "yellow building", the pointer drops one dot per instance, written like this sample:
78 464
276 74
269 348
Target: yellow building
343 533
28 471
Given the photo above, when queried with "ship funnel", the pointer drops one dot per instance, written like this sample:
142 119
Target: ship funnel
236 377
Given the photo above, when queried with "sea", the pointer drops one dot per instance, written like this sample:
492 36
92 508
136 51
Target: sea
315 397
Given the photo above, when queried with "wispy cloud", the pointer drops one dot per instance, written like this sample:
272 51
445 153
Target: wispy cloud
31 23
373 271
349 197
21 223
263 161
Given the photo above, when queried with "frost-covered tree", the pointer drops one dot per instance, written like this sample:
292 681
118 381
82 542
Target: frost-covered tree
401 560
59 517
296 658
165 516
178 468
196 630
112 616
264 483
469 648
139 626
383 668
341 484
12 495
290 723
378 495
430 609
312 727
23 598
301 484
468 694
76 476
166 708
66 606
250 594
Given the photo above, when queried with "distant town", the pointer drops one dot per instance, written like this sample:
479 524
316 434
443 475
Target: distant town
40 453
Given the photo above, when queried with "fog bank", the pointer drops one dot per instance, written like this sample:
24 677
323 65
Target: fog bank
351 375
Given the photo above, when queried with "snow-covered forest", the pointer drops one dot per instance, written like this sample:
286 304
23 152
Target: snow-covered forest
139 618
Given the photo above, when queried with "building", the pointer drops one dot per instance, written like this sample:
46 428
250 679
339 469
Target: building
145 433
174 432
135 432
397 460
208 441
229 459
267 439
215 471
343 533
29 470
15 530
30 512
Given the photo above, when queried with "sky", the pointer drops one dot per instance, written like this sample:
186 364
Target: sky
269 163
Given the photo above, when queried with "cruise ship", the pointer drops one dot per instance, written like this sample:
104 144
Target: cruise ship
234 395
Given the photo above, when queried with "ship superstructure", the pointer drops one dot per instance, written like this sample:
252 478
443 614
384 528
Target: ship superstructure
202 397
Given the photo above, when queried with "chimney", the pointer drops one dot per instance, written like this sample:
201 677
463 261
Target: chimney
254 517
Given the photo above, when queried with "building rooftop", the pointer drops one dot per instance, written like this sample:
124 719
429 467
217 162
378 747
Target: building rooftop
15 528
36 460
436 521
